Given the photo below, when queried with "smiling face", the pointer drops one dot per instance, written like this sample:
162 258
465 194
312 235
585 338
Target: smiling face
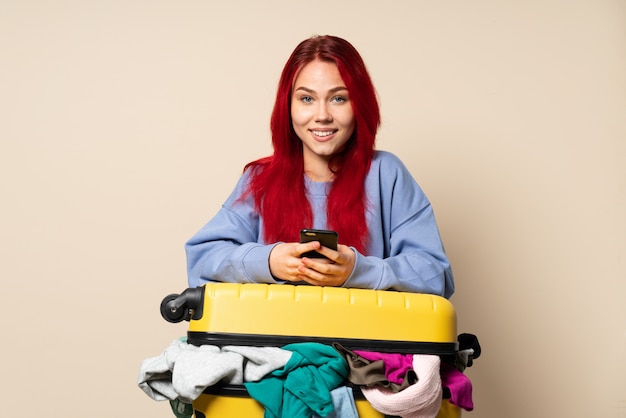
321 115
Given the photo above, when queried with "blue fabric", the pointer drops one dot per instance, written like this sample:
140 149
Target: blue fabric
405 251
301 388
343 401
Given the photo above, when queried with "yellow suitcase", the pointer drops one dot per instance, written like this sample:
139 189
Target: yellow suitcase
369 320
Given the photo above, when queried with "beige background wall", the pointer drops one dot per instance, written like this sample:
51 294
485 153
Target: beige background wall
125 124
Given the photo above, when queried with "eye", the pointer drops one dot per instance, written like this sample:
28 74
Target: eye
306 99
339 99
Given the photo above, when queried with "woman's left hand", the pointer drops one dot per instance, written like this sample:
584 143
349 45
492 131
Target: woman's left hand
331 271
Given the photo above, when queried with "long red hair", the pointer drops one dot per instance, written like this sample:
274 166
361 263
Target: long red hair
278 180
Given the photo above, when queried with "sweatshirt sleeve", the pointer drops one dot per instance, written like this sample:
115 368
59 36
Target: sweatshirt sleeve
229 248
405 252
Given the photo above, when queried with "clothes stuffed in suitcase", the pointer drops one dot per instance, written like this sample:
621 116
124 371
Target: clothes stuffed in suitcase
276 315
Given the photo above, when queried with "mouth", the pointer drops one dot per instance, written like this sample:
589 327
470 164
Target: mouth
324 133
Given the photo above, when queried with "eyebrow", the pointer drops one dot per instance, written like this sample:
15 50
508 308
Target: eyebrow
333 90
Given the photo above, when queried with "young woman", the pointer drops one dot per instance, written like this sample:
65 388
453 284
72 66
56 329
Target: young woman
324 173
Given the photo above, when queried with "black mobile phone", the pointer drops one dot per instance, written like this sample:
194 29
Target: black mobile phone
326 238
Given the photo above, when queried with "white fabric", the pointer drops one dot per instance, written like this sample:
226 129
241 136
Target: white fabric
420 400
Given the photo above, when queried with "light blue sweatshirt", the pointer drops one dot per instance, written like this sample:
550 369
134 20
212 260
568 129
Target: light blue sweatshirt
405 251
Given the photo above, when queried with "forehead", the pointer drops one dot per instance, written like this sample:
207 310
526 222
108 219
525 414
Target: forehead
319 76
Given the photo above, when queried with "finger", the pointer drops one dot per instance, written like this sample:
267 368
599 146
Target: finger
326 282
309 280
319 266
331 255
319 278
306 247
314 282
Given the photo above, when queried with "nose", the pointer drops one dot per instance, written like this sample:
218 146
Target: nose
323 113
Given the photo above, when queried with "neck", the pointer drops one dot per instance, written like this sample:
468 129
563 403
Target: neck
319 177
317 170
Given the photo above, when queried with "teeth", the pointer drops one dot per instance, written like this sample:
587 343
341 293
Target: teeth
323 133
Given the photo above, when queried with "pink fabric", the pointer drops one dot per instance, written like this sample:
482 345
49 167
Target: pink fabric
421 400
459 385
396 365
